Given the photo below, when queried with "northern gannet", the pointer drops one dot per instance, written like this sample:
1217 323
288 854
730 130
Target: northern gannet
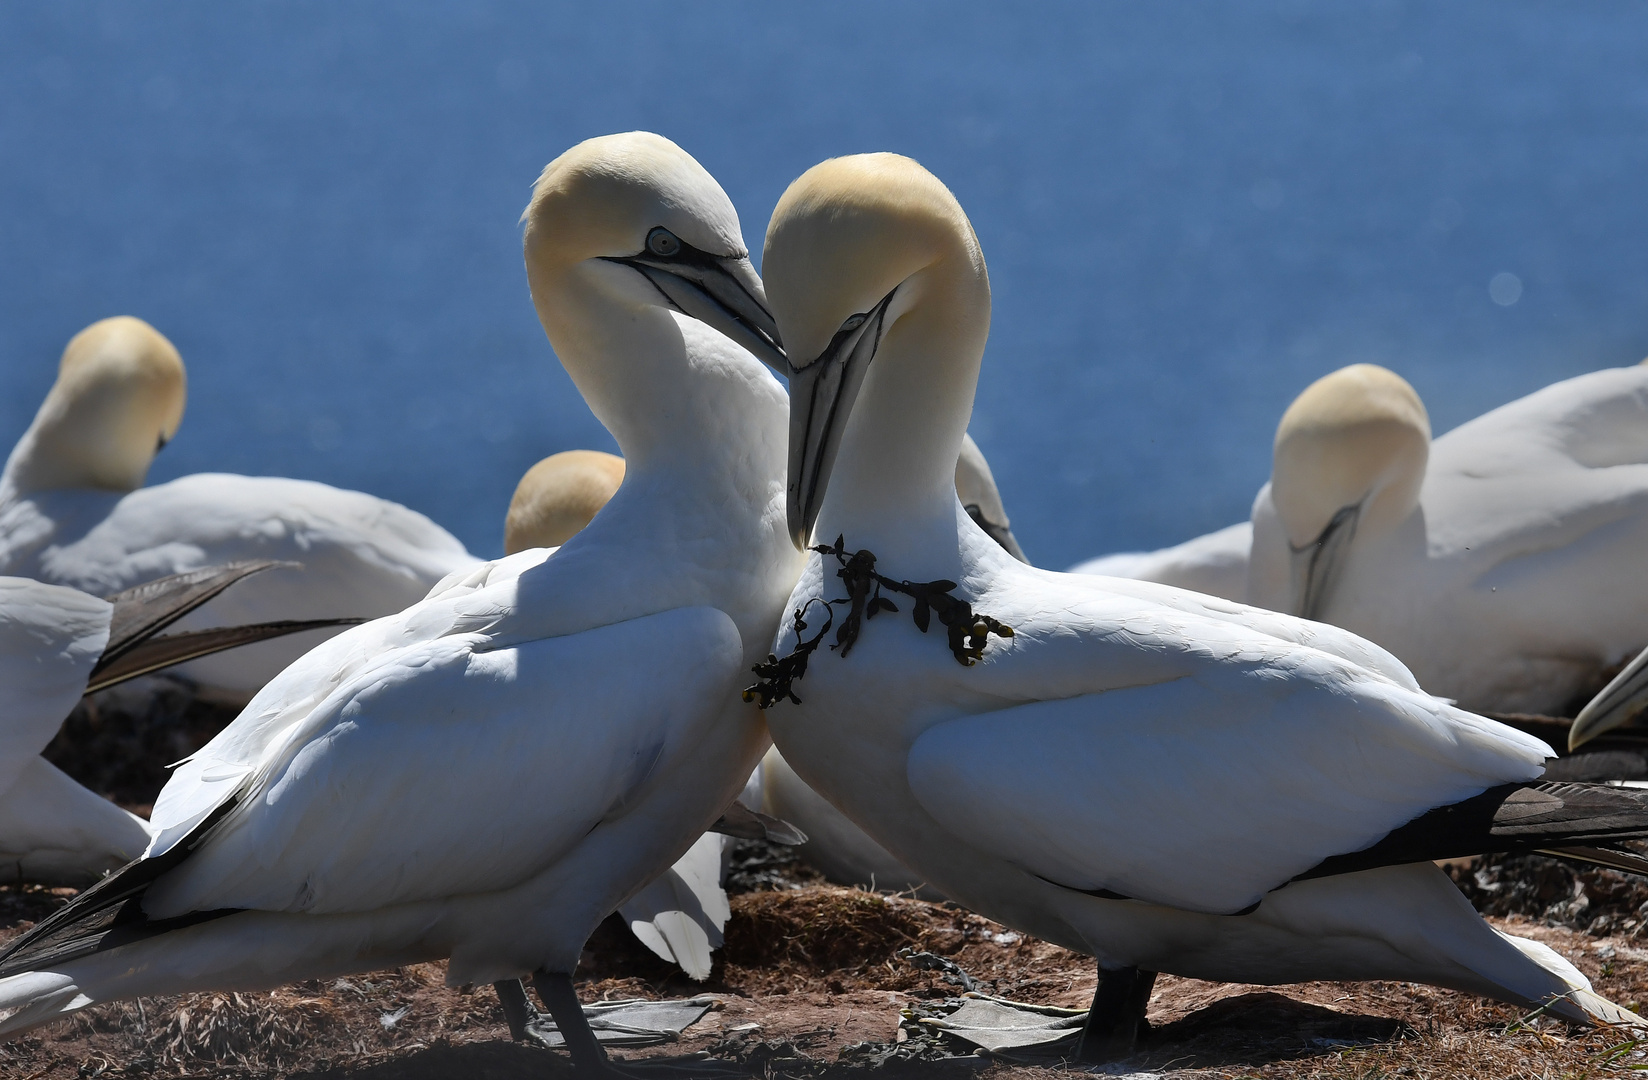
56 645
1503 563
1214 563
1161 779
73 512
558 496
487 774
681 914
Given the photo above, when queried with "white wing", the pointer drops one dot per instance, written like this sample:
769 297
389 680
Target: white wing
437 768
50 638
361 556
1206 790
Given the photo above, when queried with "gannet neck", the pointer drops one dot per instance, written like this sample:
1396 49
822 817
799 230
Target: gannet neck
639 274
1359 438
877 235
118 399
559 496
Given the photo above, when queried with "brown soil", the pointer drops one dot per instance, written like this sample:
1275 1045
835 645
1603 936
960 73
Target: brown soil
813 980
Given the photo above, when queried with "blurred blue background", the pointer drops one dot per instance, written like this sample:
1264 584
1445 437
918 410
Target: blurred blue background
1190 211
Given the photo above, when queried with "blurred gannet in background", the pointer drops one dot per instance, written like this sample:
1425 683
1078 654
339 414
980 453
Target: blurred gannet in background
1214 563
559 496
1506 564
1161 779
56 645
73 512
487 774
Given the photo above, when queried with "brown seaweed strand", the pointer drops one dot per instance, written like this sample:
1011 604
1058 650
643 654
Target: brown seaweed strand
968 631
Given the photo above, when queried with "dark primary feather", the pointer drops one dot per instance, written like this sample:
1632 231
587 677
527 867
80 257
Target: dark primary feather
143 611
143 657
1588 822
110 913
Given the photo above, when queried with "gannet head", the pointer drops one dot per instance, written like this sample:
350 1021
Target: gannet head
641 205
1349 458
854 247
559 496
976 487
118 399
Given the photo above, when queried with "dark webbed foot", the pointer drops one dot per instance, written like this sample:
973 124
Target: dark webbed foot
1116 1023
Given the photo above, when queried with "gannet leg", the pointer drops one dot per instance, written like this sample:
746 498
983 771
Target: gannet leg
590 1059
522 1016
1116 1022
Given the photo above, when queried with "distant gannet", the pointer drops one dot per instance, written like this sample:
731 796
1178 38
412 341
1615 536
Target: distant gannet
1506 564
487 774
73 512
1164 780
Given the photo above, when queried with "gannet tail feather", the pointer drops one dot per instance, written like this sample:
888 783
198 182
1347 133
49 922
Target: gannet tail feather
1574 1001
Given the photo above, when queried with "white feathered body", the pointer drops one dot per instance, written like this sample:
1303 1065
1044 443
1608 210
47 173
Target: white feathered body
487 774
361 556
1523 576
1186 752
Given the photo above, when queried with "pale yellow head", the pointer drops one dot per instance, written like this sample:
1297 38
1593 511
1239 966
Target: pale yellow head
625 235
118 399
559 496
877 280
1359 437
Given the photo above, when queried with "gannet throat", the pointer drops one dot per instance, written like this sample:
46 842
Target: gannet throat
822 393
724 293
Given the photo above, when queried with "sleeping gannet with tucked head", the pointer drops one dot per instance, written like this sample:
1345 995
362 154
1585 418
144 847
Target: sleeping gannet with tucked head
1161 779
73 512
487 774
1502 563
559 496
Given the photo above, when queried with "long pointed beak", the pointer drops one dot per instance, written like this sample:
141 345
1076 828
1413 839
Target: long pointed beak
822 394
1622 701
1316 565
724 294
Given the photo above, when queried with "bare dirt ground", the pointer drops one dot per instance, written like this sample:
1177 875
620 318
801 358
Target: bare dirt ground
811 983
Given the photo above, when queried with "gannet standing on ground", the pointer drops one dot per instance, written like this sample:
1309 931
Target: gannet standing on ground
1161 779
57 644
73 512
487 774
1506 564
1214 563
681 914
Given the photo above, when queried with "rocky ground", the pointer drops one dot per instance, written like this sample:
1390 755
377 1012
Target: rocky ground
814 980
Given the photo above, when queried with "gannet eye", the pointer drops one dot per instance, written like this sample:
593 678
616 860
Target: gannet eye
853 323
660 241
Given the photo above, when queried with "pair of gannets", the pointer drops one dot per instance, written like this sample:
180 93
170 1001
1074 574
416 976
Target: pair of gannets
73 512
1162 779
487 774
681 915
56 645
1500 563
